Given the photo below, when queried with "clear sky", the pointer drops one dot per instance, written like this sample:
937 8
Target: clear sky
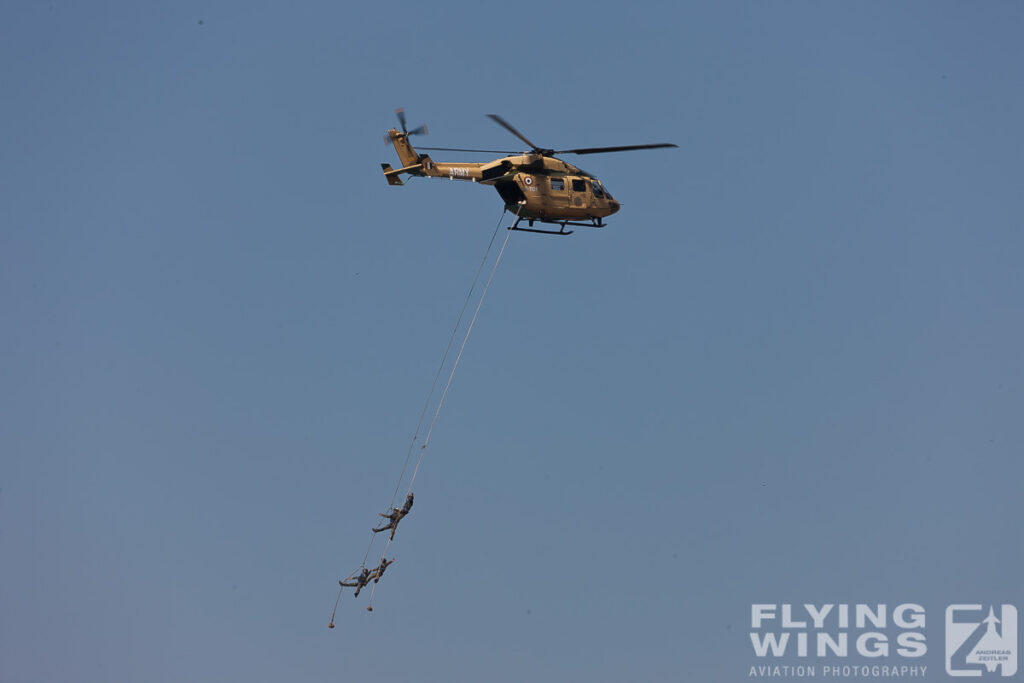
791 369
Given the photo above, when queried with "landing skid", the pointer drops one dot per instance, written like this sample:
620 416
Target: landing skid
594 223
563 231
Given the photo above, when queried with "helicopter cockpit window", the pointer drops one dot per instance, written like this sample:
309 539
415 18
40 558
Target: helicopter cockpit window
579 185
558 184
598 192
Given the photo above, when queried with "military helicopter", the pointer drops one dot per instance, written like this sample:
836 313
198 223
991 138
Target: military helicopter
534 185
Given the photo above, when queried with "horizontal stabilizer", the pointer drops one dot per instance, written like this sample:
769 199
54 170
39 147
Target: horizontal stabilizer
391 175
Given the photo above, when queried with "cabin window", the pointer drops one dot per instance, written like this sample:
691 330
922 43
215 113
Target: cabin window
579 185
558 184
598 192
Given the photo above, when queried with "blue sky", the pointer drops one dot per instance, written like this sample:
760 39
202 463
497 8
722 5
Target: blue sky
789 371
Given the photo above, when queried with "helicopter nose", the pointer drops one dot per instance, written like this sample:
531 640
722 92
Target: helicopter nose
614 206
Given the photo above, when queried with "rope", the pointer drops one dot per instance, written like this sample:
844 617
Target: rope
433 386
444 359
335 610
430 395
444 393
451 375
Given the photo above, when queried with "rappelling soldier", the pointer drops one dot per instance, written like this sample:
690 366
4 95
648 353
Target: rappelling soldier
359 581
395 516
379 571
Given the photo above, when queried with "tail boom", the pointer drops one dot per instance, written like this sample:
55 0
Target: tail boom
417 164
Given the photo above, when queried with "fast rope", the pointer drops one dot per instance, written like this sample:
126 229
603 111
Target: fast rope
444 358
430 396
448 384
455 366
440 402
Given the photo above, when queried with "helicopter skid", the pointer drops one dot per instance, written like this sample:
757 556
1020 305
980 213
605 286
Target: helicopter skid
563 231
594 223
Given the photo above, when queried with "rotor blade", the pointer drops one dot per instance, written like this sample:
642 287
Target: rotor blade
422 130
508 126
400 113
601 150
459 149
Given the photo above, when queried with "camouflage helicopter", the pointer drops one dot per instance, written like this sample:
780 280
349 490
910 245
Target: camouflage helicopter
533 184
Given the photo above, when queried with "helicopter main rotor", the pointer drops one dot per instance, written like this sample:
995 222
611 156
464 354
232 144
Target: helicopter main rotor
536 149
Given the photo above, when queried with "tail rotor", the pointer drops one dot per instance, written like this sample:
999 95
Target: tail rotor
419 130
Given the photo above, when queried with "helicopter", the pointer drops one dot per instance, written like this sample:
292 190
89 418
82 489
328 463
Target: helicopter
534 185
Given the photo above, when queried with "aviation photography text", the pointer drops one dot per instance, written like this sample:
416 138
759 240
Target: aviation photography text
859 640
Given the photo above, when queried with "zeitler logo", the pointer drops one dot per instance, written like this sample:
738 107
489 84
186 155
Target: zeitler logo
828 630
980 641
